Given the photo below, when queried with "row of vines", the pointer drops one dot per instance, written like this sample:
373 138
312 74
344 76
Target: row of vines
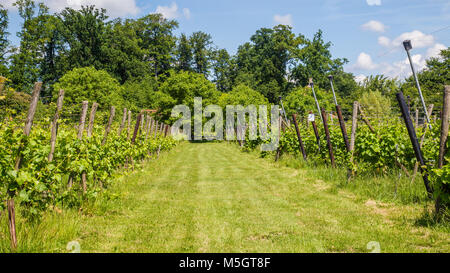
380 149
84 162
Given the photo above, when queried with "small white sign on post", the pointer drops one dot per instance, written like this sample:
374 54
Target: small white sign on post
311 117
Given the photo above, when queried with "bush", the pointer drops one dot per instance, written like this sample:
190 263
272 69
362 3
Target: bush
242 95
89 84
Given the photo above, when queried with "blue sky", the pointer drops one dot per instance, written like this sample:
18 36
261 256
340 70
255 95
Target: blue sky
366 32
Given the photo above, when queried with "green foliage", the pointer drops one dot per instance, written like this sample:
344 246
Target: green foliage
200 43
141 93
39 183
89 84
182 87
301 101
375 104
242 95
26 59
4 43
184 53
158 42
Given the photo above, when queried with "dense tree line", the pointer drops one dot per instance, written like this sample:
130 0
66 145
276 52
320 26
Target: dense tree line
143 56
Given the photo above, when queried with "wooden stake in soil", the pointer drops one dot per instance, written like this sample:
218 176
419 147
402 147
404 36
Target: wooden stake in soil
124 119
414 140
54 132
302 147
327 133
136 128
80 136
129 126
343 129
26 131
316 133
366 121
444 126
354 127
91 119
443 141
112 113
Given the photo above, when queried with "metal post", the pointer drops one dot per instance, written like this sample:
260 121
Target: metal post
414 141
332 89
408 46
284 112
311 84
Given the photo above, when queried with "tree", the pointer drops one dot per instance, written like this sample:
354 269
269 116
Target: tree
223 68
182 87
158 42
301 101
123 57
314 60
266 59
201 49
242 95
375 104
141 93
4 43
382 84
26 60
92 85
184 54
83 34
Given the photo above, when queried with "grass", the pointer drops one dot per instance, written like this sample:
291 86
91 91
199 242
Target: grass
210 197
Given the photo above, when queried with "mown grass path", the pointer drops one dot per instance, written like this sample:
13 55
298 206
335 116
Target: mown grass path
210 197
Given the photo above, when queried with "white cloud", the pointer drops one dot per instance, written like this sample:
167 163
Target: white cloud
434 51
283 19
375 26
360 78
113 7
402 69
171 12
187 13
418 40
384 41
373 2
364 62
168 12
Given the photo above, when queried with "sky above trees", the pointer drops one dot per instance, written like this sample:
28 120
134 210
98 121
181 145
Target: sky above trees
366 32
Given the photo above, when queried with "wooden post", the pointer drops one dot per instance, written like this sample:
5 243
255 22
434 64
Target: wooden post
166 129
366 121
152 128
136 128
302 147
414 140
80 137
327 133
124 119
112 113
354 127
161 128
26 131
54 132
84 109
156 129
444 126
129 125
149 120
91 119
417 118
343 129
316 133
443 142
